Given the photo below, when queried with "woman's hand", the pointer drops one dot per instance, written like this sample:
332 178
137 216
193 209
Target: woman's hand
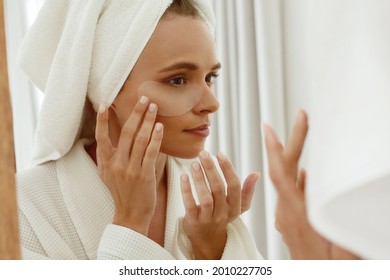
128 170
291 214
205 223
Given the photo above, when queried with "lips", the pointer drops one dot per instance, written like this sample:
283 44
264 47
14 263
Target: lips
202 130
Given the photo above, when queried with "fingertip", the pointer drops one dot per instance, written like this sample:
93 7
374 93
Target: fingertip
184 178
102 115
221 156
102 108
159 127
302 113
266 129
269 135
256 176
143 100
302 117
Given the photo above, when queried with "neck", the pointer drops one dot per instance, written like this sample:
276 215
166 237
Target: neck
161 171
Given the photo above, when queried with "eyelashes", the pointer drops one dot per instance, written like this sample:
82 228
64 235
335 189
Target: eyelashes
179 81
211 78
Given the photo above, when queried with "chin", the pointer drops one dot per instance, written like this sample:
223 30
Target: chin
183 153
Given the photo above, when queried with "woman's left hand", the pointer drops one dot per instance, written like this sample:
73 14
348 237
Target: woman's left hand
205 223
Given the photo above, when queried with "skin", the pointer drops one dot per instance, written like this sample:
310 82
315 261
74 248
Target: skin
291 213
133 143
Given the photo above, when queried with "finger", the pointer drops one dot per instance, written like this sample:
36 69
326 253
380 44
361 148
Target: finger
153 148
276 165
102 135
143 137
205 198
216 183
248 189
233 185
302 180
99 163
297 139
130 128
188 198
272 144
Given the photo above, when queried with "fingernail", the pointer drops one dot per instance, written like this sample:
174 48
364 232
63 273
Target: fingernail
158 126
152 107
257 174
264 126
143 100
184 178
266 130
102 108
204 155
300 115
221 156
196 166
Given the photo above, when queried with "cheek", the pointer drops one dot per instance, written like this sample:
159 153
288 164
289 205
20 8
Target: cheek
124 106
172 101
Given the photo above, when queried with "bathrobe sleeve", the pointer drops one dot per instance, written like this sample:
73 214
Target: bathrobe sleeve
48 231
122 243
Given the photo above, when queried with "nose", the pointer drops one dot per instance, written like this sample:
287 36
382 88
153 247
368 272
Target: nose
208 103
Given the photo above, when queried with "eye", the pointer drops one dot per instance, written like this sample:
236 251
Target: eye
211 78
179 81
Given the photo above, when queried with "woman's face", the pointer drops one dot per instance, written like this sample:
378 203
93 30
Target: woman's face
180 55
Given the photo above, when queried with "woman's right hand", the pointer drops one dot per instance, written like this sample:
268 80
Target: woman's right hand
128 170
292 221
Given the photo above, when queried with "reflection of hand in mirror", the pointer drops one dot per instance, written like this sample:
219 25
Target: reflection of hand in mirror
291 213
205 223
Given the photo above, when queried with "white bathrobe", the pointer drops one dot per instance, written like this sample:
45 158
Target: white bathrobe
66 213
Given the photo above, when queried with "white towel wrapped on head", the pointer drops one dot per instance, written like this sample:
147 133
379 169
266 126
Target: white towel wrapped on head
76 48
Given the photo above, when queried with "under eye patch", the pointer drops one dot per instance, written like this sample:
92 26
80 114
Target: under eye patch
171 100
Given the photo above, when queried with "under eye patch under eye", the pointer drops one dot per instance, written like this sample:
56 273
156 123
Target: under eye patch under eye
171 101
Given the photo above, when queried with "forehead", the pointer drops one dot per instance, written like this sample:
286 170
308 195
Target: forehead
179 38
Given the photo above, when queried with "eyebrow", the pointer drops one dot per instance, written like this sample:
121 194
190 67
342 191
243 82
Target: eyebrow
187 65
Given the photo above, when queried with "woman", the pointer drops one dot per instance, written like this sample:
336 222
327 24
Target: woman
119 197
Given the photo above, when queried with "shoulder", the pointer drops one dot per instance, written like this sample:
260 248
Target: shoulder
37 175
38 182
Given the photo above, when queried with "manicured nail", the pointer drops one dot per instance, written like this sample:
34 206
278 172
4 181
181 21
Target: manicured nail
152 107
204 155
158 126
196 166
221 156
184 178
102 108
143 100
